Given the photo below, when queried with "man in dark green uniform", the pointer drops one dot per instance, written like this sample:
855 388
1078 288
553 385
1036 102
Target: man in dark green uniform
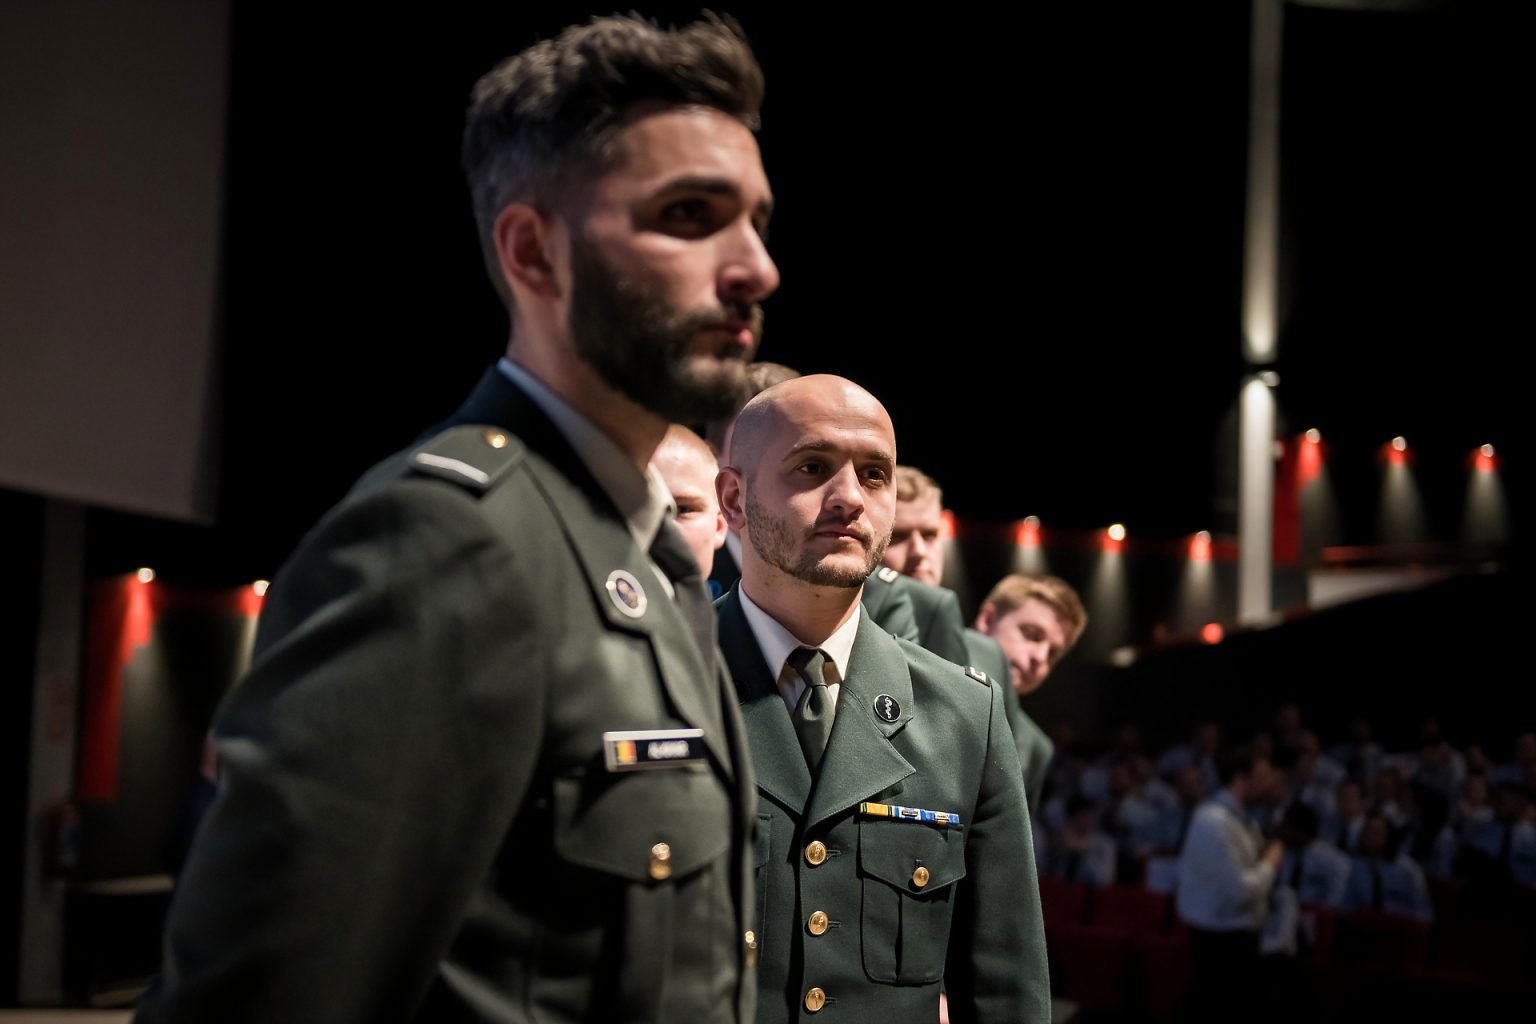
487 764
893 849
1032 621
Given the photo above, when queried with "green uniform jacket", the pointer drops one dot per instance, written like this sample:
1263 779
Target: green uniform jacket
970 918
416 820
887 601
1035 747
927 615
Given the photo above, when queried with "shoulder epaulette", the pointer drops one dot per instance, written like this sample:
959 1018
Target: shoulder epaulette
474 457
978 675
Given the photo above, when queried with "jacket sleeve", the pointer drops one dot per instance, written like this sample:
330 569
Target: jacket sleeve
996 970
370 763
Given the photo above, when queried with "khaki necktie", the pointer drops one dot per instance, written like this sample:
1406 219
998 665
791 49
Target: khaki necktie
813 713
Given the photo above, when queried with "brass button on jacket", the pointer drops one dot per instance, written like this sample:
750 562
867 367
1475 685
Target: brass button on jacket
815 853
661 862
815 999
920 877
817 923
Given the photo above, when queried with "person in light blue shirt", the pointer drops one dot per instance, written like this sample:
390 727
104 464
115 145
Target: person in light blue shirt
1315 869
1226 871
1385 879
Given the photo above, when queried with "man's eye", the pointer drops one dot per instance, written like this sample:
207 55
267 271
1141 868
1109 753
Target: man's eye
686 211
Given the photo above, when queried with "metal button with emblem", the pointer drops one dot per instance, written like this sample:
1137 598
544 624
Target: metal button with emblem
815 999
920 877
661 862
815 852
817 923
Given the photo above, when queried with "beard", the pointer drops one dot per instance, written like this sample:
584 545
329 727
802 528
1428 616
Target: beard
782 546
643 348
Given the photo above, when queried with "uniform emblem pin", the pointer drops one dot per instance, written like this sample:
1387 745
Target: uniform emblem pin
887 574
887 708
626 593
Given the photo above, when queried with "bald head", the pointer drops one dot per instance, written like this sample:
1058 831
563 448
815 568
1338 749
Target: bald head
810 488
821 397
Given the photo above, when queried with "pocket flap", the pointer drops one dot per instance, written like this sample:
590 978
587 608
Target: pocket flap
619 823
894 851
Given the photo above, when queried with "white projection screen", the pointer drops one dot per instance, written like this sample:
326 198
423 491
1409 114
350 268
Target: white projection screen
112 139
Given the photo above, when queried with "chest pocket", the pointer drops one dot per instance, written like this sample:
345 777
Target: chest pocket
908 873
649 827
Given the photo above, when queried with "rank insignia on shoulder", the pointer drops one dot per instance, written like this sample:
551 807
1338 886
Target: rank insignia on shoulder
916 815
978 675
886 574
642 749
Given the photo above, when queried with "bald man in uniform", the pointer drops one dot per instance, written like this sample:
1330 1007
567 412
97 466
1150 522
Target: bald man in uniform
893 850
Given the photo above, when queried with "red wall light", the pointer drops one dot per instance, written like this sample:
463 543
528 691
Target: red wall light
1027 533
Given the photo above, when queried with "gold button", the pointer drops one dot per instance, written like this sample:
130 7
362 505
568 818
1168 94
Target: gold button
817 924
920 876
815 853
661 861
815 999
750 941
496 439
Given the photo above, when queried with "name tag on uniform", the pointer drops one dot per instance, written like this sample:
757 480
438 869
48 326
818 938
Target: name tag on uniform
916 815
641 749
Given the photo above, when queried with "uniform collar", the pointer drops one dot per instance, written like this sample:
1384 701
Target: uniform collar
641 498
776 642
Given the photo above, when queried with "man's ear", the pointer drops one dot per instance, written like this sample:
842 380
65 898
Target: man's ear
986 618
525 250
731 490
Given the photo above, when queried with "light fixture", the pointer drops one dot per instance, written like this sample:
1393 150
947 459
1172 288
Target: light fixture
1315 436
1116 532
146 575
260 587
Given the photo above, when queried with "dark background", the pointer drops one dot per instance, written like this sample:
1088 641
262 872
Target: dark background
1022 231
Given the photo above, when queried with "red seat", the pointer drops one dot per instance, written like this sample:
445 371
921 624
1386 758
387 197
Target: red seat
1133 907
1062 902
1377 939
1091 965
1160 972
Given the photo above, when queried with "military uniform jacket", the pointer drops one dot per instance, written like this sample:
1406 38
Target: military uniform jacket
417 819
873 913
1035 747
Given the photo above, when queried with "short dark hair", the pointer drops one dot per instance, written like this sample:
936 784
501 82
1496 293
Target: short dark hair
546 119
1235 761
1302 819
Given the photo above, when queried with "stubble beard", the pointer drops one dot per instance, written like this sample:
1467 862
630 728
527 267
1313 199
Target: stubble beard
778 543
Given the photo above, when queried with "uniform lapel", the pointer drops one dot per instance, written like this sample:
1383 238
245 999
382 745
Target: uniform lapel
776 757
609 555
860 760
